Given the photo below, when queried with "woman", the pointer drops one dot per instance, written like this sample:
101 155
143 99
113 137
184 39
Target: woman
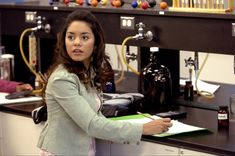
12 86
74 97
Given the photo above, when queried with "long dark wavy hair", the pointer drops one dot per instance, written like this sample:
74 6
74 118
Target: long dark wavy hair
100 61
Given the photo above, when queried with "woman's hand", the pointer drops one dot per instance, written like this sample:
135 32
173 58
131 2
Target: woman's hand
23 87
157 126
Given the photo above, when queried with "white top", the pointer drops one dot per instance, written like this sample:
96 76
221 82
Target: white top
92 148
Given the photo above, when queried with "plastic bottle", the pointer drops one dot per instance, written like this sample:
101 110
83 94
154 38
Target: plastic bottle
156 84
223 117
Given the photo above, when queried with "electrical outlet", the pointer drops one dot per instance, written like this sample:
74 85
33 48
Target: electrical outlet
233 29
30 16
127 22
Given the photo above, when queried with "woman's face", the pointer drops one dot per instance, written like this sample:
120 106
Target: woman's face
79 42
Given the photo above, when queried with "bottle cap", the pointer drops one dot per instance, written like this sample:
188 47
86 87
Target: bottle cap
188 82
154 49
7 56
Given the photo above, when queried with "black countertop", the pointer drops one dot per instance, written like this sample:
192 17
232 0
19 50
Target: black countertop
216 141
222 98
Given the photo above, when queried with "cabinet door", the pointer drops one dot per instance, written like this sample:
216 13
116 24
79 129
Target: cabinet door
1 143
102 147
20 135
186 152
143 149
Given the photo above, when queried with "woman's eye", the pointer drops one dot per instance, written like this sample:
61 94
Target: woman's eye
85 37
71 38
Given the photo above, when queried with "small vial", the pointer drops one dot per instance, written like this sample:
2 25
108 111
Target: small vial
188 91
223 117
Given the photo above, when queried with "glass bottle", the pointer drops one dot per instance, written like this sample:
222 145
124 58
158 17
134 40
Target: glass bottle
188 91
223 117
156 84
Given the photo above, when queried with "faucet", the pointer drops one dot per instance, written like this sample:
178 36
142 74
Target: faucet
141 34
40 25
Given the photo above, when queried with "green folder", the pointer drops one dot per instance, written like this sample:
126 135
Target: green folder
177 128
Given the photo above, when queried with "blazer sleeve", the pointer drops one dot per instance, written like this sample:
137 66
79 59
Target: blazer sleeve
65 90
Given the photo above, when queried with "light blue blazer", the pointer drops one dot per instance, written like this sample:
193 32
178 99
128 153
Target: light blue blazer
73 119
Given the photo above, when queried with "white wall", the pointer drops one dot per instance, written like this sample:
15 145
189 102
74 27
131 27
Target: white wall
112 52
218 68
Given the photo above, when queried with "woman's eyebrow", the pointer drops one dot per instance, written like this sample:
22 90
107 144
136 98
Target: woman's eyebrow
86 33
83 33
70 32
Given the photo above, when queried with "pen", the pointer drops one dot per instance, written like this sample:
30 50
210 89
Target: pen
145 115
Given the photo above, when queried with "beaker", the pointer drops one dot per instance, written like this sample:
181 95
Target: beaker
7 67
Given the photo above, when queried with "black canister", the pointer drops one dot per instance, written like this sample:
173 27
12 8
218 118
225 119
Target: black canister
156 84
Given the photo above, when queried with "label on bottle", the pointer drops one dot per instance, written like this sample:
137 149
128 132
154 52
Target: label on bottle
222 116
37 84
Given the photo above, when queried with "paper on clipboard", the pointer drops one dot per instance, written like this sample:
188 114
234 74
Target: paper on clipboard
177 126
4 101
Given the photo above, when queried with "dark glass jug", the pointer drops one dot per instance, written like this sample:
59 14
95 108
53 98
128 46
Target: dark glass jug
156 85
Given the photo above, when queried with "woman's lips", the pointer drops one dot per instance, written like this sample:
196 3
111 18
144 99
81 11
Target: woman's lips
77 51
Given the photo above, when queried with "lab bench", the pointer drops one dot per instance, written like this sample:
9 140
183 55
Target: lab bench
20 134
201 112
173 31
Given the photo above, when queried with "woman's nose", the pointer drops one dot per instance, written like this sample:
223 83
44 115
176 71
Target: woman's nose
77 41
